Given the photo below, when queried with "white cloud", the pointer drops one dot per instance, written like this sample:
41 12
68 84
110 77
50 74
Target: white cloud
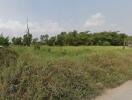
95 20
7 27
17 28
46 27
98 23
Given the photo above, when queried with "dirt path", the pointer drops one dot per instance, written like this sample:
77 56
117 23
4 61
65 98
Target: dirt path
124 92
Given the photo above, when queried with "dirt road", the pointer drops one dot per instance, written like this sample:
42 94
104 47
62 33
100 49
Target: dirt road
124 92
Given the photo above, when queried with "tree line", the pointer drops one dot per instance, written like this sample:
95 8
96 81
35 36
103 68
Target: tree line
73 38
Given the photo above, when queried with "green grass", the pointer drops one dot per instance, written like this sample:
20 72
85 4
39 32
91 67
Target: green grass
64 73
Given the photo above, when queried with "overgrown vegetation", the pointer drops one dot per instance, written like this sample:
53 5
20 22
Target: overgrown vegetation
7 57
4 41
64 73
74 38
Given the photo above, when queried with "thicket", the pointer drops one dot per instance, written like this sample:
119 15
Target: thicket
74 38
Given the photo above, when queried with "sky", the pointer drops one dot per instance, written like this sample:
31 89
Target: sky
53 16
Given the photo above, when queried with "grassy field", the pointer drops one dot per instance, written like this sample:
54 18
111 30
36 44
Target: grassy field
64 73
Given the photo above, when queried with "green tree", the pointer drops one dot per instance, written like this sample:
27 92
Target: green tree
17 40
44 39
61 39
72 38
52 41
4 41
27 39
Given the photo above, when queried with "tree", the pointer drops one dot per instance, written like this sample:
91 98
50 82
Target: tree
52 41
123 39
44 39
27 39
17 40
4 41
84 38
72 38
61 39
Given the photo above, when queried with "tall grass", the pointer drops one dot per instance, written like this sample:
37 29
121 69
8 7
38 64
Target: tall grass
64 73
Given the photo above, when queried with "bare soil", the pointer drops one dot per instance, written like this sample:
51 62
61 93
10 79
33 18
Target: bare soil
124 92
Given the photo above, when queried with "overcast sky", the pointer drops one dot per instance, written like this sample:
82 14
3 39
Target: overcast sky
54 16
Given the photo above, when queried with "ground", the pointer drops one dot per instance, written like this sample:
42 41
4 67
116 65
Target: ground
123 92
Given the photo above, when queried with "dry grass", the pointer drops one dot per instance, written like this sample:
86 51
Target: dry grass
64 73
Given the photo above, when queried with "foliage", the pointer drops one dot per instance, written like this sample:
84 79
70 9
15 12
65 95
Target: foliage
75 38
64 73
52 41
27 39
86 38
44 39
17 41
4 41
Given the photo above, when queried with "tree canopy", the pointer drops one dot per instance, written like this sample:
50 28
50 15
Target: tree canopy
75 38
4 41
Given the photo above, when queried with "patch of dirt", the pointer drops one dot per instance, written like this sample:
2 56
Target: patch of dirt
124 92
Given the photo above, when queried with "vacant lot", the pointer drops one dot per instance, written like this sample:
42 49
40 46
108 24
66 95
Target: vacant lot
63 73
